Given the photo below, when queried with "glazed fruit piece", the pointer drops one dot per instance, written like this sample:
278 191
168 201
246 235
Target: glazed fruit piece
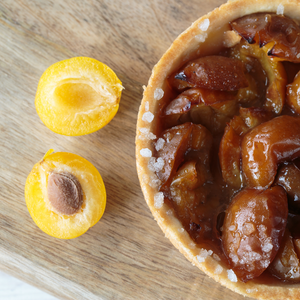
202 106
230 152
77 96
288 176
281 31
181 140
274 97
253 228
266 146
65 195
254 116
293 96
286 264
230 145
214 72
195 96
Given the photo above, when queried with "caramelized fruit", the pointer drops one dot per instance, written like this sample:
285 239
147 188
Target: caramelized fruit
210 108
65 195
230 153
281 31
214 72
286 264
288 176
293 94
267 145
180 140
77 96
195 96
249 54
253 228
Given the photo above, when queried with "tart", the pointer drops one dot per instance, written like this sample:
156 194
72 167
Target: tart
218 146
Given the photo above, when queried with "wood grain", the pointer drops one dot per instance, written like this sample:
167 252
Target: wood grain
124 256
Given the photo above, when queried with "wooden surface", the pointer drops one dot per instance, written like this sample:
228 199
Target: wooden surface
124 256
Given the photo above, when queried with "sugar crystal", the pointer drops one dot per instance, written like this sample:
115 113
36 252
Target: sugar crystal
158 200
154 182
151 136
151 163
158 94
147 106
267 245
201 37
204 25
160 163
146 134
280 9
231 276
145 152
148 117
144 130
204 254
159 144
201 259
156 165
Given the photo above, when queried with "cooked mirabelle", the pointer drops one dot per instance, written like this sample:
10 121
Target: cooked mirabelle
253 133
78 96
219 162
65 195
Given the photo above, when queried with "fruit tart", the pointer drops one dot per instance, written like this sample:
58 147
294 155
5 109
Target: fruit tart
218 146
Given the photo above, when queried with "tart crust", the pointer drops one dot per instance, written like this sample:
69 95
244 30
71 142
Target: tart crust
206 36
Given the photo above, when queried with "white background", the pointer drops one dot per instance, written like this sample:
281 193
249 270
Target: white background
14 289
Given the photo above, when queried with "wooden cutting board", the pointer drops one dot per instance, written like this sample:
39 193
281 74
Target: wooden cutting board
124 256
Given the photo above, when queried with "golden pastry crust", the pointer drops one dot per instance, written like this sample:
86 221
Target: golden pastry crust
206 36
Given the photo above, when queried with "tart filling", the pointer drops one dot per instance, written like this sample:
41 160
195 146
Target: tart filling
218 146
